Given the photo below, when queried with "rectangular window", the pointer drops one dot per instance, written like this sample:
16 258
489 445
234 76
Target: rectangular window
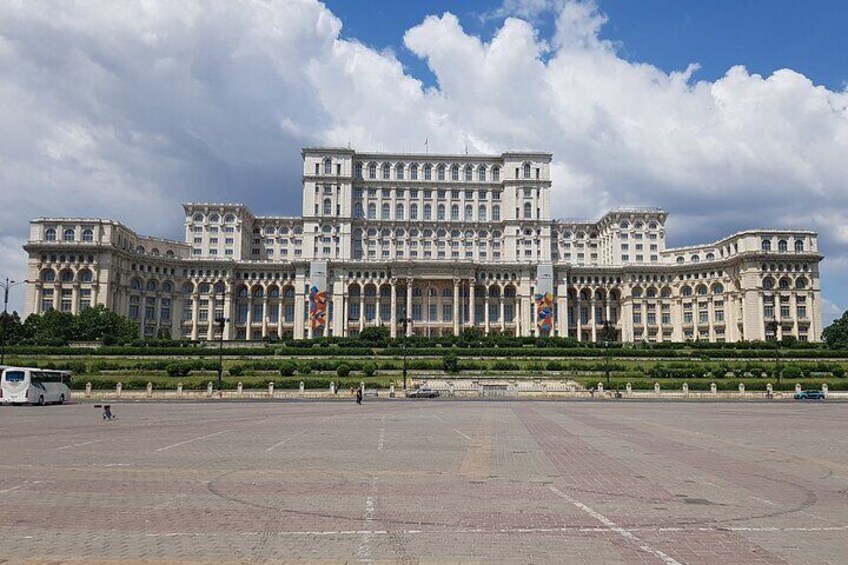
447 312
416 312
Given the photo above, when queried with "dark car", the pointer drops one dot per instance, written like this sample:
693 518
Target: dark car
423 392
809 395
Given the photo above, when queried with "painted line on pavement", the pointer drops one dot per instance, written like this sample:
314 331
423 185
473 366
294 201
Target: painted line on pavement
81 444
191 440
613 527
462 434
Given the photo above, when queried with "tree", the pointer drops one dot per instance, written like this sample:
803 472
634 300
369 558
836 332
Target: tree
376 335
450 363
470 335
608 333
100 323
11 328
836 334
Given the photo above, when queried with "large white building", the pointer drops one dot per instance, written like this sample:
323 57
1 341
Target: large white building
450 241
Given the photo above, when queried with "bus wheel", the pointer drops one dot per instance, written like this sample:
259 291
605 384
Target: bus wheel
62 399
41 400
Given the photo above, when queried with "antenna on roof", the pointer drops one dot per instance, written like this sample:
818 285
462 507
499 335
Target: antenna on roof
426 145
348 144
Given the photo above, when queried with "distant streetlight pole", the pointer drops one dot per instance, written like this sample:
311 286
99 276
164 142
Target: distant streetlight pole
6 286
772 326
404 322
221 321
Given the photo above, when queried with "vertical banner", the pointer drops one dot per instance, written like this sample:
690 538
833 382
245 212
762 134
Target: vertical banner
318 295
544 299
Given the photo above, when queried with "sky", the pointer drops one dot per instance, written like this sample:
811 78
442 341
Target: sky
731 115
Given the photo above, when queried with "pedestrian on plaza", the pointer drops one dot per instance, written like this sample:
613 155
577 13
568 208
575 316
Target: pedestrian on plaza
359 396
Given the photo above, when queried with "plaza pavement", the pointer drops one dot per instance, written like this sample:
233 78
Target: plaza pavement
425 482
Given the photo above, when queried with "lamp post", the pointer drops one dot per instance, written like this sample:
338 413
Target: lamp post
221 321
6 286
404 322
772 327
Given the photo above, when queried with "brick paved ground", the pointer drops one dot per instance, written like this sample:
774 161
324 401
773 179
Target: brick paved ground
425 482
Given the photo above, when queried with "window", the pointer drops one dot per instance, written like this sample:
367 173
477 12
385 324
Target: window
440 213
50 234
413 172
428 172
481 213
528 210
87 235
372 170
357 210
766 245
469 213
399 171
799 246
328 207
455 172
527 170
428 212
386 171
440 172
468 172
385 211
328 167
782 246
455 212
496 174
357 171
496 213
372 211
399 212
481 173
68 235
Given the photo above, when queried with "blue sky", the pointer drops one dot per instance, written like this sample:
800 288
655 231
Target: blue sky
124 110
763 35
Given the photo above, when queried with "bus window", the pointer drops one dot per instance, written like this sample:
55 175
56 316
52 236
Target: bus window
14 376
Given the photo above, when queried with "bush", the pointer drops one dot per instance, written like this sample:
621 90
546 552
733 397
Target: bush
343 370
553 366
450 363
180 369
792 372
370 368
502 365
236 371
304 368
287 369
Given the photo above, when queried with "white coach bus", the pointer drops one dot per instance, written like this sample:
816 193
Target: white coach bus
27 385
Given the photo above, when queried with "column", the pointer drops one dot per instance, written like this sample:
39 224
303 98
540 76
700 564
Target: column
471 303
456 310
593 320
195 314
377 318
486 311
393 327
299 309
249 320
280 316
565 308
408 306
228 313
501 311
361 307
210 329
75 298
265 314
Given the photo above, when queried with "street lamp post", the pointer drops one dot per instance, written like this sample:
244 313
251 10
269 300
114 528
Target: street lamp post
772 326
221 321
404 323
6 286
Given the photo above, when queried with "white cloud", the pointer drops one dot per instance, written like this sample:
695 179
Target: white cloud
124 110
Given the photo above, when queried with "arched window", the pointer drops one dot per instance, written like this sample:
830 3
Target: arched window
428 212
357 210
135 284
702 290
273 292
372 211
784 283
680 259
440 172
799 245
624 225
637 293
686 291
242 292
496 213
48 275
399 171
87 235
782 246
428 172
710 256
651 293
481 173
454 172
766 245
328 166
188 288
258 292
801 283
469 213
455 212
768 283
198 217
139 249
718 289
151 285
386 171
527 170
399 212
481 213
665 293
385 211
372 170
85 276
328 207
230 219
413 211
289 292
357 170
528 210
68 234
214 218
413 171
169 253
204 288
440 212
50 234
496 174
468 172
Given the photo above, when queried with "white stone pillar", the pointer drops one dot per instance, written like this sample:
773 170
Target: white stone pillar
195 315
361 307
456 311
486 311
394 322
249 320
578 305
265 314
408 306
471 285
592 319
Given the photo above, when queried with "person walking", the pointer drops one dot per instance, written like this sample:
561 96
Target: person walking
359 396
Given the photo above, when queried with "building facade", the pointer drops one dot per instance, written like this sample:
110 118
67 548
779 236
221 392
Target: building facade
448 241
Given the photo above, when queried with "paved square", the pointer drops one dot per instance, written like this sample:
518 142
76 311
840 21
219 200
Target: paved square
425 482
